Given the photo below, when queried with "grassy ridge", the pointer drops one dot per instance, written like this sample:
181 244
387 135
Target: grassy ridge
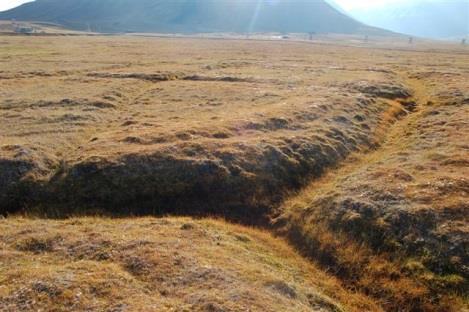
394 222
168 133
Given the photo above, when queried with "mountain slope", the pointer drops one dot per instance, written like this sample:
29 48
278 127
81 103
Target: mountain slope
190 16
425 18
337 6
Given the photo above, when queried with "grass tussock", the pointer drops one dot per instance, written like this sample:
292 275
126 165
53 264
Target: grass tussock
161 264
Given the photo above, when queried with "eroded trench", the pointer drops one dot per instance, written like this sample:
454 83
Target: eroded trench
206 189
159 184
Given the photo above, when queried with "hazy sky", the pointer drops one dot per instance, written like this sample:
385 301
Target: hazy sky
346 4
357 4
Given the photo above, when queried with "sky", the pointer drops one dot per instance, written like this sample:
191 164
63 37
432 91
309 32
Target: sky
362 4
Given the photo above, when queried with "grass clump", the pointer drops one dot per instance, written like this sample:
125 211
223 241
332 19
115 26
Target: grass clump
156 265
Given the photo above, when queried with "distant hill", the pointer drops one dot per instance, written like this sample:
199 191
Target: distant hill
337 6
191 16
425 18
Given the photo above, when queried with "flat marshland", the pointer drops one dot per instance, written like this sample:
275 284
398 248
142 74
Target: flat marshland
356 156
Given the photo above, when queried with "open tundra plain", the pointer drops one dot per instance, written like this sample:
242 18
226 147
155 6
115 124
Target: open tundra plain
355 156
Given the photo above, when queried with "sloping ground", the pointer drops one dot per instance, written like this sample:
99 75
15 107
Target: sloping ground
394 222
158 265
13 27
90 126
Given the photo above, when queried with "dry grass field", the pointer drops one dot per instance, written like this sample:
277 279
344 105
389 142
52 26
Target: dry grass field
356 154
168 264
394 221
181 123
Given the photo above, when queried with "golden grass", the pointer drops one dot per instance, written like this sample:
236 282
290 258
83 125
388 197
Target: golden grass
180 124
372 139
167 264
393 222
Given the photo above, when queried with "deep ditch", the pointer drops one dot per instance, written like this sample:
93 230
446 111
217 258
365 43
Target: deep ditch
136 185
365 231
204 198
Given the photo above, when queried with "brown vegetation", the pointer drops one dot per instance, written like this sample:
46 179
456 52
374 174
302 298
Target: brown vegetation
359 155
167 264
158 130
394 222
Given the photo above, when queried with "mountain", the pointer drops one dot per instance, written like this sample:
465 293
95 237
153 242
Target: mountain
190 16
337 6
424 18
